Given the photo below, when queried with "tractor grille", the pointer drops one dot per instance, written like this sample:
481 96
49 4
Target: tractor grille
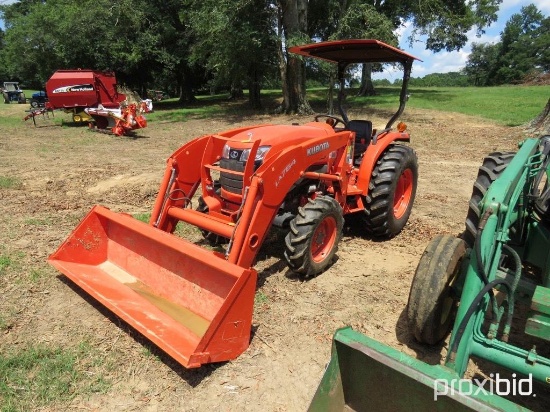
230 182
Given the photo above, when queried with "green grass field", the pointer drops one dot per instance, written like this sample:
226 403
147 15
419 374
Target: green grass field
506 105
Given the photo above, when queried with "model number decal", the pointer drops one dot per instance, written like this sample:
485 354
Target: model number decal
317 148
285 171
74 88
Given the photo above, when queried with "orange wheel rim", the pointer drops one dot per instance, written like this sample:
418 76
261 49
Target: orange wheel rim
403 194
323 239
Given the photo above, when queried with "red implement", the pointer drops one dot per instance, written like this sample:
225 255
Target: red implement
180 296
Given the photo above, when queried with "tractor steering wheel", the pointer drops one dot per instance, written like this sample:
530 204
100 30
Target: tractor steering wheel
337 120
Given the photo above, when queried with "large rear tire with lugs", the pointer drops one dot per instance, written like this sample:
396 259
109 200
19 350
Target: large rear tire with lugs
492 167
432 302
314 234
392 190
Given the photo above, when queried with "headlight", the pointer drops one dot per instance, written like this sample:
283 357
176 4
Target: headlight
225 151
260 154
243 154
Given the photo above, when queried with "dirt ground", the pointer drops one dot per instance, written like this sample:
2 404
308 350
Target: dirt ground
64 171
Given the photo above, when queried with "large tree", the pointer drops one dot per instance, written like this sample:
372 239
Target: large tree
524 48
235 42
481 61
363 21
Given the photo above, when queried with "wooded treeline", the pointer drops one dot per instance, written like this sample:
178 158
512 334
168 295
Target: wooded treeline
188 46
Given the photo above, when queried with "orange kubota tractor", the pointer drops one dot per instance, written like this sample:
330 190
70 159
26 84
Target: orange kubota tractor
196 304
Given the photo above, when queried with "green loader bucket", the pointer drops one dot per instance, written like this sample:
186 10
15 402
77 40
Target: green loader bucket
365 375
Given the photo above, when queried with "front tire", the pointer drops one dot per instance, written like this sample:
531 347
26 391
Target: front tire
392 190
314 234
432 302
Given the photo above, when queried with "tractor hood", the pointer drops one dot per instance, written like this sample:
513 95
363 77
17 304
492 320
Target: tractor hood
280 135
353 51
273 139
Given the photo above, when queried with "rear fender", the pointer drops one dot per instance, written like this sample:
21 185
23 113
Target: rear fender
373 153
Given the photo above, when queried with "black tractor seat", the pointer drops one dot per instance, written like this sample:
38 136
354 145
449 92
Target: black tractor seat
363 135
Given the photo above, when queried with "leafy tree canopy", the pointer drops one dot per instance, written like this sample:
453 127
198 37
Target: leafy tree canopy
524 46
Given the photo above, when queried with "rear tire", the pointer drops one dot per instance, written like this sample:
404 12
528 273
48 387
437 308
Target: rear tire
392 190
542 205
492 167
432 307
314 234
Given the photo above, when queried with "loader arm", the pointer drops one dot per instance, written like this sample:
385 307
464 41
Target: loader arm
265 188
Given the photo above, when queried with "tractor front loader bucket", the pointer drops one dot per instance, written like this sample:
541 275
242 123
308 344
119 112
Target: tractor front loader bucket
189 301
365 375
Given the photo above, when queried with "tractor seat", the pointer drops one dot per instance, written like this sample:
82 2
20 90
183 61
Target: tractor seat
363 135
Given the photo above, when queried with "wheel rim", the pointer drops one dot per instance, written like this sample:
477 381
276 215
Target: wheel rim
323 239
403 194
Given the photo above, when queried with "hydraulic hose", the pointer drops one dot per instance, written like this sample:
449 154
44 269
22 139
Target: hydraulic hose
462 327
480 266
512 294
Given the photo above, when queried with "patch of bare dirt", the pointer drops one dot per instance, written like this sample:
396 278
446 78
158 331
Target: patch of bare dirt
64 171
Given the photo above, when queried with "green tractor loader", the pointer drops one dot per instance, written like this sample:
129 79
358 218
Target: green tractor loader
493 281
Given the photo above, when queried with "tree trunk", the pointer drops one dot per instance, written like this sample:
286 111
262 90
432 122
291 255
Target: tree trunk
541 123
330 97
185 85
297 87
282 62
294 22
236 92
254 89
367 87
